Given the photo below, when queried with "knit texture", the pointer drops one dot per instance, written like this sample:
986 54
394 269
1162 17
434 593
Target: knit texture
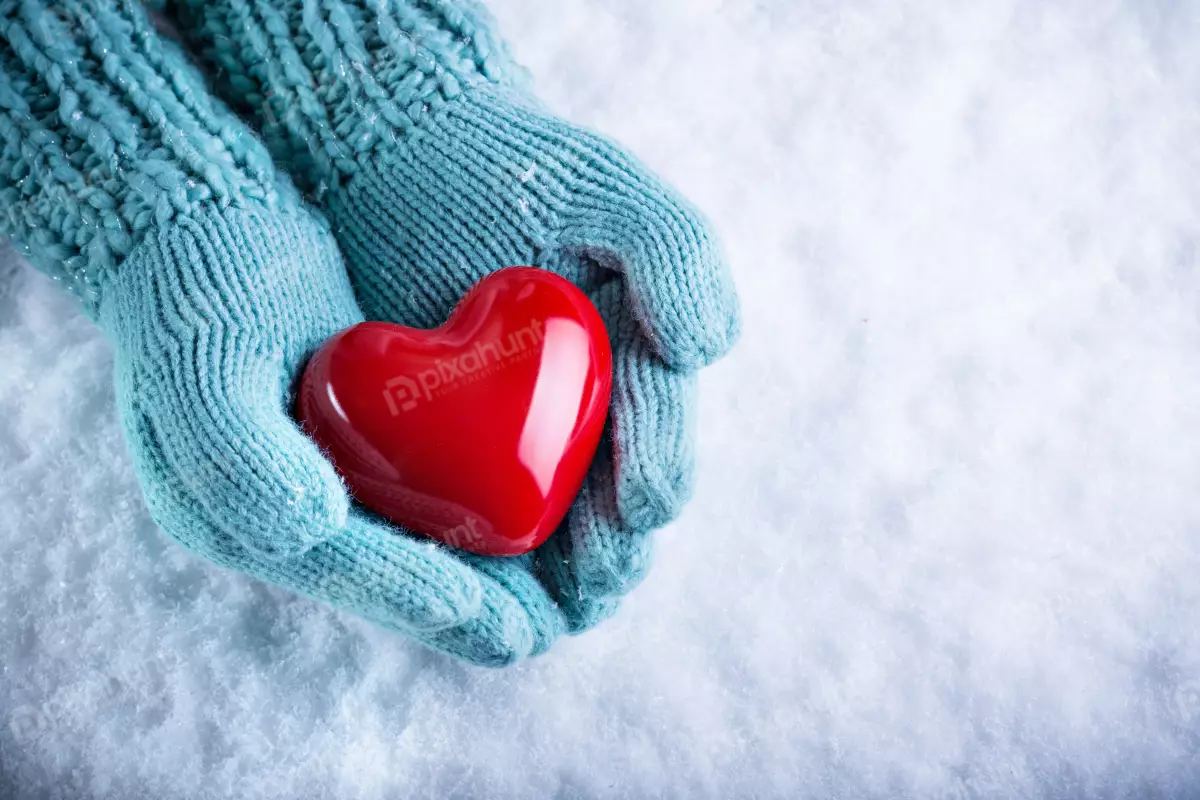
212 318
603 550
331 83
410 124
163 214
106 132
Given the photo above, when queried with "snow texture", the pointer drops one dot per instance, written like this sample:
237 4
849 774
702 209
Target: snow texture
946 536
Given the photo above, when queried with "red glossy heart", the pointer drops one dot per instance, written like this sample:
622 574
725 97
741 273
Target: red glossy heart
477 433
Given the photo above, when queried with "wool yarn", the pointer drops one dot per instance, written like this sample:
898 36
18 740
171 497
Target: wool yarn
163 213
410 124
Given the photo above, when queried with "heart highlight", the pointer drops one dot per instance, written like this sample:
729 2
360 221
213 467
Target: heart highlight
478 433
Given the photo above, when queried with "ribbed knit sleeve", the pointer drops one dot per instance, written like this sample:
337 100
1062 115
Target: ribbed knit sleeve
105 132
327 81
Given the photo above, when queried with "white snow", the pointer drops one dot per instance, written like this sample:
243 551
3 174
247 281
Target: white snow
946 535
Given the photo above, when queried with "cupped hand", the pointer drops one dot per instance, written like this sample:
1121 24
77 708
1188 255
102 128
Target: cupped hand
490 180
212 317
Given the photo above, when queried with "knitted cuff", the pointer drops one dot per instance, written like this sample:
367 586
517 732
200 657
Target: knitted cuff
105 132
329 83
274 278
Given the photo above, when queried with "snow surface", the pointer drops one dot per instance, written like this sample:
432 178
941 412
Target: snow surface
946 537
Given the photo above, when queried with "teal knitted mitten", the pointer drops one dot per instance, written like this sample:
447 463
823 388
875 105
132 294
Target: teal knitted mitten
163 214
408 121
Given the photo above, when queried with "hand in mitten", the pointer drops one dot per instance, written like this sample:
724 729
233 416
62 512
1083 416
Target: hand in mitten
163 214
409 123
